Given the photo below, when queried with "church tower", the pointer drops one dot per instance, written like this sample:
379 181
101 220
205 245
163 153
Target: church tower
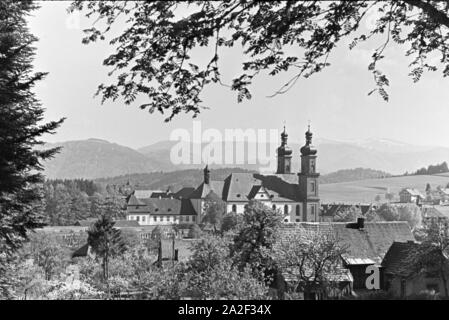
308 180
284 155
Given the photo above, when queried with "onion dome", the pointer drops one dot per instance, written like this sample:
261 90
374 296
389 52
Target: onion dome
284 150
308 149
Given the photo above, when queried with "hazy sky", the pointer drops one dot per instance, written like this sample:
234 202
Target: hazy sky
335 100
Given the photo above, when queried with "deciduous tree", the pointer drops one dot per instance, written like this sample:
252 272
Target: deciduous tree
256 235
154 52
312 259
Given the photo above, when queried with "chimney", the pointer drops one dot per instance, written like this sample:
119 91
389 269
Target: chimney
361 223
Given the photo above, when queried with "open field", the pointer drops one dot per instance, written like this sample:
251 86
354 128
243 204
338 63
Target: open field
363 191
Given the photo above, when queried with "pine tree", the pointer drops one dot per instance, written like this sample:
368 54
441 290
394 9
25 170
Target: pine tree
20 128
105 241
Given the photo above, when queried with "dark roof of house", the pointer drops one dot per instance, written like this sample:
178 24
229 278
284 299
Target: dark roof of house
81 252
398 257
184 193
373 241
165 206
205 188
364 246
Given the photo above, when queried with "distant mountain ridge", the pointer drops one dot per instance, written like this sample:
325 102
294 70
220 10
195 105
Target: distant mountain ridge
97 158
176 180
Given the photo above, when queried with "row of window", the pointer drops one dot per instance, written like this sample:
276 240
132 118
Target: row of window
286 211
143 218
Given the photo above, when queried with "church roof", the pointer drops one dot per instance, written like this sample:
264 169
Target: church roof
243 186
184 193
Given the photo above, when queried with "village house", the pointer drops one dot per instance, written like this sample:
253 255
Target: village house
410 195
330 210
160 211
431 215
366 244
401 276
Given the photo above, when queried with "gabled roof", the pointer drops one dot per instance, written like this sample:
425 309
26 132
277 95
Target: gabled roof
398 257
81 252
205 188
133 201
432 212
255 190
184 193
413 192
369 244
373 241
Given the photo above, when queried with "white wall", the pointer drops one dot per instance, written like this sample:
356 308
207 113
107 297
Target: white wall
150 220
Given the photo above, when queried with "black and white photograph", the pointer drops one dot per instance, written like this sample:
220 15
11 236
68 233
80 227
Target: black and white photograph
204 151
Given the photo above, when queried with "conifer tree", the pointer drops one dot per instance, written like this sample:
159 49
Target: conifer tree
105 241
21 125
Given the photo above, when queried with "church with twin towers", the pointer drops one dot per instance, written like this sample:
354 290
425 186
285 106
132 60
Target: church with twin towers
293 193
